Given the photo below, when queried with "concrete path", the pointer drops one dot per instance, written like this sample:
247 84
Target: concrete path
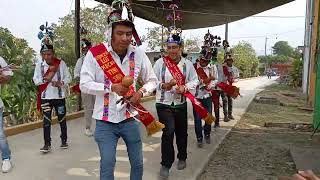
81 160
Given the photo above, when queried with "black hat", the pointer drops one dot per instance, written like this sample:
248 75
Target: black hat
85 43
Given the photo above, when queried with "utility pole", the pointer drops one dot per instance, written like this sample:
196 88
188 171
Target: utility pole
77 40
161 36
77 28
226 32
265 54
265 46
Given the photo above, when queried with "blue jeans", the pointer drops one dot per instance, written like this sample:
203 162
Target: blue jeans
207 103
4 147
107 135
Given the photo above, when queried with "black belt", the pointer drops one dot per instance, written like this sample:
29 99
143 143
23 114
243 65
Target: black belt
121 122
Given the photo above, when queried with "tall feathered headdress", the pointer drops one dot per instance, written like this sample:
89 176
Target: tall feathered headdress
46 37
121 11
209 50
174 32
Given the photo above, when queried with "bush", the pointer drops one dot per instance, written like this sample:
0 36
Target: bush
296 73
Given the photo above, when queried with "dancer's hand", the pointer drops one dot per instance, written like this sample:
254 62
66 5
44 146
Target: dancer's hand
136 98
119 89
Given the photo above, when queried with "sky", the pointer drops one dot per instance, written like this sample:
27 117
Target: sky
23 18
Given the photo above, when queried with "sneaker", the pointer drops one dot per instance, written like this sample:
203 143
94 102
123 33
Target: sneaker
199 143
64 145
6 166
45 149
164 172
207 139
231 117
181 165
88 132
226 119
216 125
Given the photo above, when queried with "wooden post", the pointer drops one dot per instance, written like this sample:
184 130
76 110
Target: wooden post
313 68
316 116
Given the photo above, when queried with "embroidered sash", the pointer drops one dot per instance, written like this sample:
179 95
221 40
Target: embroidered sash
180 79
43 87
114 74
231 90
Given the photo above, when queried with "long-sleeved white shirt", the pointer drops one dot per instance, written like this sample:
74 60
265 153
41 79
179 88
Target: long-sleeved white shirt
163 74
201 90
62 75
234 72
77 68
92 82
3 64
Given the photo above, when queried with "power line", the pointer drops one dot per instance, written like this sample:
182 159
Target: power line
219 14
71 7
263 36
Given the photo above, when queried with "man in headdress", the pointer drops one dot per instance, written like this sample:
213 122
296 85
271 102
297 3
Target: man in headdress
177 78
52 76
207 75
171 104
87 99
5 77
230 76
110 71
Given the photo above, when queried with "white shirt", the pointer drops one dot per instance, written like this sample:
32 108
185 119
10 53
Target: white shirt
62 74
201 90
77 68
92 82
5 73
234 72
169 97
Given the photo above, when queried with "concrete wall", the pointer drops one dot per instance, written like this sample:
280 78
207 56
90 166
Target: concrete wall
307 45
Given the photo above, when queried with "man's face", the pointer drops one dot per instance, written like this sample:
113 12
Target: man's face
203 62
174 50
47 55
229 62
85 50
121 37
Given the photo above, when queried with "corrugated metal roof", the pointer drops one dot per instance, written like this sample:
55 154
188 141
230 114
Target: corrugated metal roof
202 13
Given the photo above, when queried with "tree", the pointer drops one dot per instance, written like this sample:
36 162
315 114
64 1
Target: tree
271 59
282 48
13 49
92 19
296 73
192 45
154 37
245 59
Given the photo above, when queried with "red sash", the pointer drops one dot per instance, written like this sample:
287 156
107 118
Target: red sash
180 79
76 89
43 87
115 75
227 74
231 90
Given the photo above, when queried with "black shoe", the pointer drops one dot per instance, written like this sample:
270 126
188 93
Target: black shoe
181 165
207 139
199 143
226 119
216 125
64 145
45 149
231 117
164 172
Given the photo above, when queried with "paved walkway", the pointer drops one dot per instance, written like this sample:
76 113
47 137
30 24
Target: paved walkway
81 160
